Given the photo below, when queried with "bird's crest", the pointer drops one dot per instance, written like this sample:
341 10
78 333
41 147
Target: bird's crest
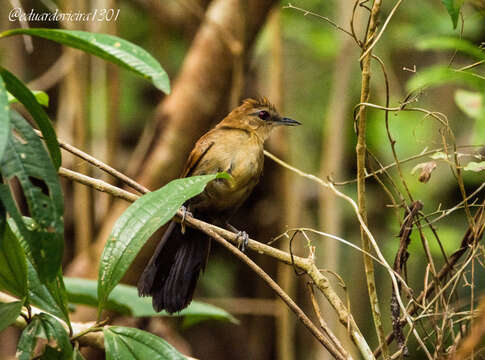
257 102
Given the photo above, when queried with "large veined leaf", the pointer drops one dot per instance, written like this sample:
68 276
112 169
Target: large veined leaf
130 343
4 117
26 159
138 223
27 98
46 337
9 313
13 265
50 296
125 300
7 204
107 47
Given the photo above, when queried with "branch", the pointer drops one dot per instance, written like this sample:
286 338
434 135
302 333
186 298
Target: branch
370 47
330 342
369 235
469 238
361 153
96 184
223 236
308 12
323 324
101 165
304 264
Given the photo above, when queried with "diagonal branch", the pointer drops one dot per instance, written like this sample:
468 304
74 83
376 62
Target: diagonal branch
219 234
306 265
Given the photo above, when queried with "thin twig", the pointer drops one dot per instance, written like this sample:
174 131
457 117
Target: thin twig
468 239
323 324
392 141
99 185
368 233
411 158
376 39
99 164
328 343
307 12
471 66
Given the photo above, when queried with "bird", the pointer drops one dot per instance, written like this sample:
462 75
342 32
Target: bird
234 146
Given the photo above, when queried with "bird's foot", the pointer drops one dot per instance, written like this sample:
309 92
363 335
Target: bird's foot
185 212
244 240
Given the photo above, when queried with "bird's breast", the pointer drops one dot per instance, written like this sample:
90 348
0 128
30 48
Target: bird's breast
243 160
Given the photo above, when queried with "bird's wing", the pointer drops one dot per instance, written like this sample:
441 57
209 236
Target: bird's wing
200 149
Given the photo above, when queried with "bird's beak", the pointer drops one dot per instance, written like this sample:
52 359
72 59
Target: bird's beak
287 122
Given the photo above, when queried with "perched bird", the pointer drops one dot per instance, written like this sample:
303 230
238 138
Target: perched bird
235 146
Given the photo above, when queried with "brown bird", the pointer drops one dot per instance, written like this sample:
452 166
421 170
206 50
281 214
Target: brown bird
235 146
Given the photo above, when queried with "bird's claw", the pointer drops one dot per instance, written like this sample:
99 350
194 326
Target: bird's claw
185 212
243 235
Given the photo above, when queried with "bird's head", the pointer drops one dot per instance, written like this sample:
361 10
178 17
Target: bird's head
257 115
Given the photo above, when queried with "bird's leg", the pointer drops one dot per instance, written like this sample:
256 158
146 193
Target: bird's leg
243 235
185 212
244 239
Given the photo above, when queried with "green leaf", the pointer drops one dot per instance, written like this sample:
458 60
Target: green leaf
130 343
44 336
13 265
16 222
41 97
4 118
453 8
138 223
475 166
9 312
452 43
26 159
125 300
107 47
438 75
25 96
50 296
470 102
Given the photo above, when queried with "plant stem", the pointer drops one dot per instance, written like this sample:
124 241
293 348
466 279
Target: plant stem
361 155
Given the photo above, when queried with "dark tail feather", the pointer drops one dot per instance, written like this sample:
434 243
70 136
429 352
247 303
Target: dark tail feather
172 272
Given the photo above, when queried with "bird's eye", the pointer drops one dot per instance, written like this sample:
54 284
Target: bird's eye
263 115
